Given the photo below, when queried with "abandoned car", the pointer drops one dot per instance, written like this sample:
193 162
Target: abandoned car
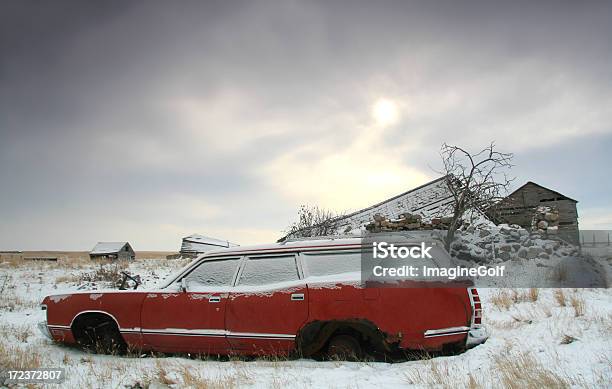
278 299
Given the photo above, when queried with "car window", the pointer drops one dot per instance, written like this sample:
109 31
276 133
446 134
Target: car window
323 264
214 273
269 270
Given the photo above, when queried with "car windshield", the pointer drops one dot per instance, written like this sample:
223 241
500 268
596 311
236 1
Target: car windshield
168 281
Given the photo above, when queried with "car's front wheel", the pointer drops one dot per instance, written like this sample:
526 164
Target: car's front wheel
97 333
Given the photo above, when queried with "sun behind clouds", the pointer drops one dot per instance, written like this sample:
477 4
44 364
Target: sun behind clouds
385 112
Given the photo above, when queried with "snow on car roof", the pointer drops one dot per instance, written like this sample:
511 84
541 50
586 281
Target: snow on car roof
312 243
108 247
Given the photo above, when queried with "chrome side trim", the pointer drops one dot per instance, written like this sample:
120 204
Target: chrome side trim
215 333
259 335
129 330
184 332
57 327
446 331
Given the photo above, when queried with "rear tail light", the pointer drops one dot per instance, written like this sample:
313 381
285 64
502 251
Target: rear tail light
476 307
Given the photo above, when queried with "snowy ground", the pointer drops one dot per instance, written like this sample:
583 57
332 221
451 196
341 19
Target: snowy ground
539 338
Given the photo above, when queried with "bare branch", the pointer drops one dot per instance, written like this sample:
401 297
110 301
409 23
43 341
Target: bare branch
313 221
475 181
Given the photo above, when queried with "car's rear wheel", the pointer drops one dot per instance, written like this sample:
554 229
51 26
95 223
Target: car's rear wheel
344 347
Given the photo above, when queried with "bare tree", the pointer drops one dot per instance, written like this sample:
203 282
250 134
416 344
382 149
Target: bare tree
476 181
312 221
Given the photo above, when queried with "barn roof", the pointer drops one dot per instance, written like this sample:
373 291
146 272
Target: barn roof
428 200
108 247
424 200
543 187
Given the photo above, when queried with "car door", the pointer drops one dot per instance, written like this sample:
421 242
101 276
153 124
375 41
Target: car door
191 320
268 305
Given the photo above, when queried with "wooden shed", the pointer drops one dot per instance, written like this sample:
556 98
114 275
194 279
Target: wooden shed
520 206
113 250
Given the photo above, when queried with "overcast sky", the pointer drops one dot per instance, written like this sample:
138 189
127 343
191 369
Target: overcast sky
148 121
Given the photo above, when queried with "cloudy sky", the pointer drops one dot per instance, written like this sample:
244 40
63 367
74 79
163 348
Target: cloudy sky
147 121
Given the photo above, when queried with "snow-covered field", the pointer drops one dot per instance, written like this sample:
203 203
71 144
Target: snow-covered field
539 338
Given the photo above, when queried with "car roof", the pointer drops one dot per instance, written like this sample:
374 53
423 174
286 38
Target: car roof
310 244
287 246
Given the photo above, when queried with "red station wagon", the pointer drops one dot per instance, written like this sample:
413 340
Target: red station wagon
279 299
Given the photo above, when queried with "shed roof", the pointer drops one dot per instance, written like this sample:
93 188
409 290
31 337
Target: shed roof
197 243
543 187
108 247
197 238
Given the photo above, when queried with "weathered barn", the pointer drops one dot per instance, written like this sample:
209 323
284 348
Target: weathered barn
194 245
520 206
112 250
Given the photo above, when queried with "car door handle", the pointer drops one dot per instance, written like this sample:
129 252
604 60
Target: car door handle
297 297
214 299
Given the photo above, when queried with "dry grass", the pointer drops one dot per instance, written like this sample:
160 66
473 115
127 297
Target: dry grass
19 357
74 263
506 324
547 310
502 300
23 333
517 371
560 298
67 278
533 294
192 379
161 375
567 339
440 374
61 263
531 314
106 272
11 262
578 304
505 298
11 331
604 322
11 302
434 374
188 376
